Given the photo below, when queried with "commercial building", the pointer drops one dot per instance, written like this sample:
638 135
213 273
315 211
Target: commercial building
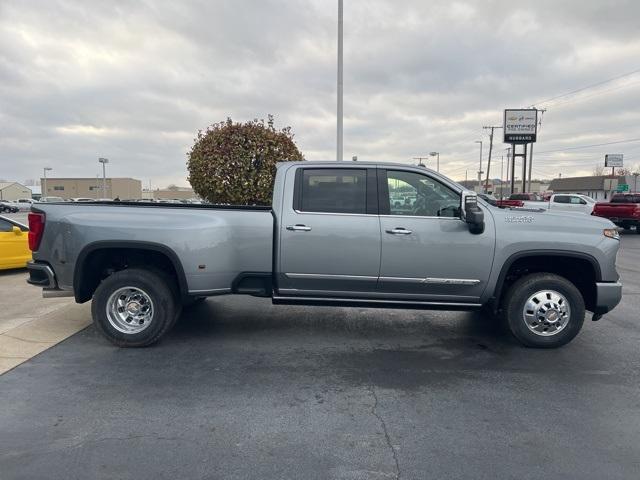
13 191
174 193
502 189
599 187
122 188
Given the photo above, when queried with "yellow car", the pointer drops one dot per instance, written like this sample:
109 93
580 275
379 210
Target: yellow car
14 244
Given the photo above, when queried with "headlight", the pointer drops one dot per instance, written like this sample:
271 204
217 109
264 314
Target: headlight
611 233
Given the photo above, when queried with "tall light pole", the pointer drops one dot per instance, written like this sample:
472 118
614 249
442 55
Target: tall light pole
104 161
635 183
480 168
44 180
340 86
436 154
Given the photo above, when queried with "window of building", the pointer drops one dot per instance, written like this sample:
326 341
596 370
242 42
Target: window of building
58 188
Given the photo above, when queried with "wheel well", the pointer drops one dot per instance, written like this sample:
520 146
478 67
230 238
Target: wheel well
579 271
99 263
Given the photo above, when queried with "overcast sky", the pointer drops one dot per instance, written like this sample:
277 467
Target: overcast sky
134 81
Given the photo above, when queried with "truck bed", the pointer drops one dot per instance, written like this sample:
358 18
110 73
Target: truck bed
212 243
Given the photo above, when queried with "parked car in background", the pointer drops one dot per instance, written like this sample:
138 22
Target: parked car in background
332 236
24 204
623 210
572 202
8 207
510 203
14 246
51 199
529 200
83 199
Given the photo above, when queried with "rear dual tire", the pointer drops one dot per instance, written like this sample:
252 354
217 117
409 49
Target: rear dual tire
135 307
544 310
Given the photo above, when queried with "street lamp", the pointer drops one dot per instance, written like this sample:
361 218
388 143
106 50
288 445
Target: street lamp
44 181
480 172
340 84
104 161
635 182
436 154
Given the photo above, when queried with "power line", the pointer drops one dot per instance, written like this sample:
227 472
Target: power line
590 146
593 85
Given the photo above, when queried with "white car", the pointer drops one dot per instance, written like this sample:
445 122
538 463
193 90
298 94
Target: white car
572 202
83 199
24 203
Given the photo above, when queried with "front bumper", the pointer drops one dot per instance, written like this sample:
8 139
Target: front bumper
608 295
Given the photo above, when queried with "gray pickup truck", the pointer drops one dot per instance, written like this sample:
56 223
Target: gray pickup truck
347 234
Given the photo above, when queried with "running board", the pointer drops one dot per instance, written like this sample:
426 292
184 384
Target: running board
373 303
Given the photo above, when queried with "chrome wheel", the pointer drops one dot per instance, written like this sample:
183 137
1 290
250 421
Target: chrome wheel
130 310
546 313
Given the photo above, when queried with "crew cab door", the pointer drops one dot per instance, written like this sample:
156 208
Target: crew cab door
330 233
428 252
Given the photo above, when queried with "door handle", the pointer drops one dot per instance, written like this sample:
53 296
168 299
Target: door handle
399 231
298 228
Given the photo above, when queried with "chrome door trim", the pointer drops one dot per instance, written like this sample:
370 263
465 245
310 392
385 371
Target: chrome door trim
452 281
322 276
336 214
432 280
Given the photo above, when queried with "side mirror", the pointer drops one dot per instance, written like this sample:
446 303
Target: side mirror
16 230
472 214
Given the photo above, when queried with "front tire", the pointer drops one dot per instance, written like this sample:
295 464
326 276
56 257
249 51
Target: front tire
134 307
544 310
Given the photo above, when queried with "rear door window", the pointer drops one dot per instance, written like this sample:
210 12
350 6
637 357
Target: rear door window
333 190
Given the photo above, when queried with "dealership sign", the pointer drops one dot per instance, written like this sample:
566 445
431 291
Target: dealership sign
613 160
520 126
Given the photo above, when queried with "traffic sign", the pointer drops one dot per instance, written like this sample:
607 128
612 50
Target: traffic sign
622 187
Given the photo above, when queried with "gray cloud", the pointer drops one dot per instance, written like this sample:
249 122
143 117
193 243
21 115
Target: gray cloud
134 81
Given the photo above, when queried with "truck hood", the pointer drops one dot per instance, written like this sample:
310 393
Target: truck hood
548 218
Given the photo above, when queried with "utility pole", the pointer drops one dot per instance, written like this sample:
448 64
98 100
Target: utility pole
480 172
501 174
436 154
43 189
531 147
340 82
486 183
104 161
420 164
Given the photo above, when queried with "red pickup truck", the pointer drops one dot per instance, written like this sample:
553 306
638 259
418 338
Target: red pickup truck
623 210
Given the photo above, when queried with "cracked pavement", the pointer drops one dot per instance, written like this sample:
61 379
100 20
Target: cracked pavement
243 389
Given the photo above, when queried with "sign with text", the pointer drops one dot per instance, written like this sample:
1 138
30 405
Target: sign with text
613 160
520 126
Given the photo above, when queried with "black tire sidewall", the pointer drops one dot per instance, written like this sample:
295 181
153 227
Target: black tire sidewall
162 296
520 293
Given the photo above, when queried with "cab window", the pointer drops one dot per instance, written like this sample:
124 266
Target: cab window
411 193
332 190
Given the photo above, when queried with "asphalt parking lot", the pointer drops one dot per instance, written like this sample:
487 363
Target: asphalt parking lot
243 389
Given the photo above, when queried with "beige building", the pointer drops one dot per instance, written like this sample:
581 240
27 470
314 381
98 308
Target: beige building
174 193
122 188
13 191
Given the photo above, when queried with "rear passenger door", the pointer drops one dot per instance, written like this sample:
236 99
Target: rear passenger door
330 233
